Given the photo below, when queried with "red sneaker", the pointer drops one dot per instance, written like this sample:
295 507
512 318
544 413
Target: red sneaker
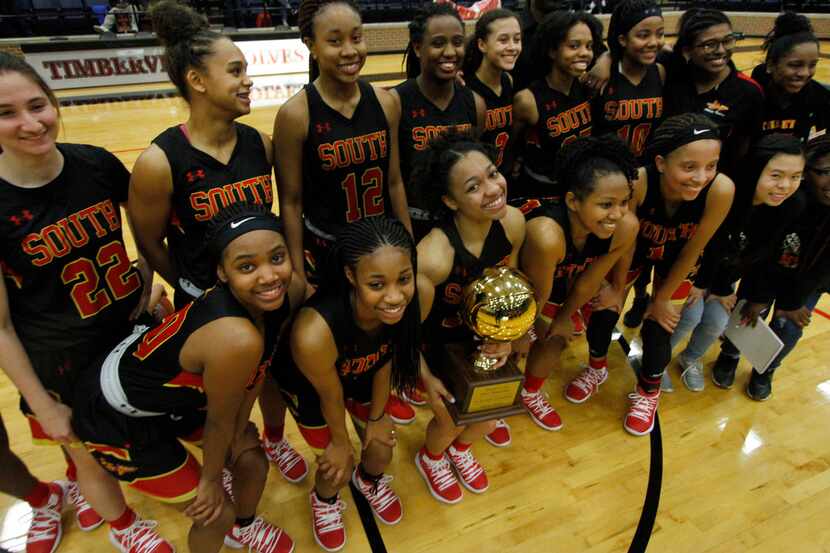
415 397
586 384
291 464
640 418
141 537
327 522
399 411
541 411
469 470
500 437
385 503
260 536
442 483
85 515
45 532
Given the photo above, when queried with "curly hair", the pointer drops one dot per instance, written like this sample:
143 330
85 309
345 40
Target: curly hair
552 33
581 162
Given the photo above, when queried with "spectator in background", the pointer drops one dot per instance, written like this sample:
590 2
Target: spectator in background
122 18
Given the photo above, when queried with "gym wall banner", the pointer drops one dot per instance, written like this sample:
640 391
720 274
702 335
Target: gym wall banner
136 65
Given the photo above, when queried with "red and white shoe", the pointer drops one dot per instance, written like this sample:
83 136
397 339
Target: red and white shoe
45 532
540 410
399 411
469 470
327 523
384 501
260 536
140 537
415 397
227 483
290 463
586 384
85 515
500 437
439 477
640 418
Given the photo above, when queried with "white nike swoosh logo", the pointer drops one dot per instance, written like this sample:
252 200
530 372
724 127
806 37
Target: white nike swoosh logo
235 224
697 132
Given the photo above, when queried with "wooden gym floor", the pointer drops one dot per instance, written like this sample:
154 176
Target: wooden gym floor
737 476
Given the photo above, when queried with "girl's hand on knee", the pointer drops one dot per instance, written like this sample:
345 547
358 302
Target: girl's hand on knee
664 313
800 317
206 508
728 302
436 391
382 431
695 294
336 461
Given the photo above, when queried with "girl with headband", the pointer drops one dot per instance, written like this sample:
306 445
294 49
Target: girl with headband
764 206
681 200
194 377
794 103
352 343
68 292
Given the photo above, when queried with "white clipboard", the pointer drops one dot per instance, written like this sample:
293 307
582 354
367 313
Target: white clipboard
759 344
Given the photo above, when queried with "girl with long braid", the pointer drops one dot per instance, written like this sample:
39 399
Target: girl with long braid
194 170
681 200
764 206
794 103
352 343
458 178
489 57
555 109
794 279
569 250
431 99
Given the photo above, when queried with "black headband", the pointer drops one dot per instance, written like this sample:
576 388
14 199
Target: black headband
691 134
630 20
243 224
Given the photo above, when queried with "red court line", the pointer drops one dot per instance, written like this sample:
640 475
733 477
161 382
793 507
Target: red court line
822 313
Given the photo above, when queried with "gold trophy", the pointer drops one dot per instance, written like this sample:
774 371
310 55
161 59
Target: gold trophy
498 306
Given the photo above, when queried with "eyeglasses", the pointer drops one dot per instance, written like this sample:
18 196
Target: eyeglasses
820 171
711 46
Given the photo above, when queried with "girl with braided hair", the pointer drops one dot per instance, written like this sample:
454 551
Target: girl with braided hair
354 341
793 279
490 55
631 105
681 200
431 99
570 249
765 204
794 103
194 377
194 170
555 109
476 229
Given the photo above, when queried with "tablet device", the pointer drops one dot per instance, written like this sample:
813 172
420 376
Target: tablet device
759 344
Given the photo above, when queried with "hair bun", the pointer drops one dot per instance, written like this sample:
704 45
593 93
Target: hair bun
175 22
790 23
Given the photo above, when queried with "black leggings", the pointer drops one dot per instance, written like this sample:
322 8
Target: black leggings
600 327
656 355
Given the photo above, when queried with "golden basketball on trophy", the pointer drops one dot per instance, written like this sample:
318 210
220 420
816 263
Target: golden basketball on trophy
498 306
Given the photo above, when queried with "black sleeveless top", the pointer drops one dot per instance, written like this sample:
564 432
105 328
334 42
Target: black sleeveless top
631 111
202 186
562 119
499 118
148 370
68 278
799 114
421 121
663 236
345 161
575 261
444 324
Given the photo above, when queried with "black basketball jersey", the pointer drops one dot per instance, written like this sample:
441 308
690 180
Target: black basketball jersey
797 114
203 186
421 121
68 277
345 161
562 119
144 368
630 111
575 260
499 118
443 325
663 236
